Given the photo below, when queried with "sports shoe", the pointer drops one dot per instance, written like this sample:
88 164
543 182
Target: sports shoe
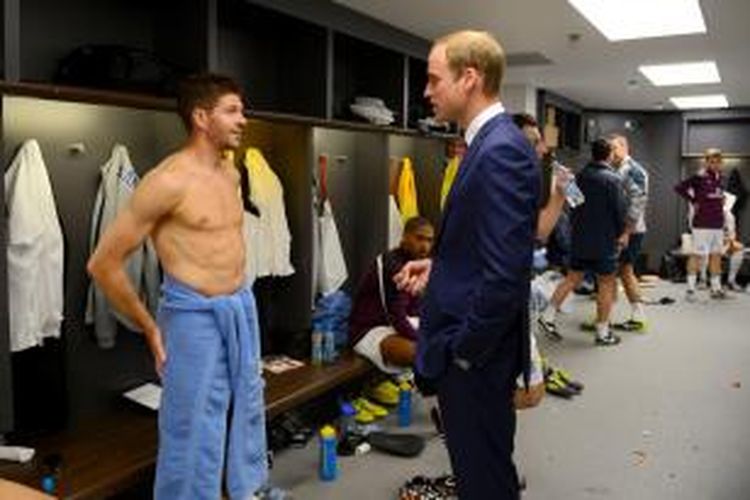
719 294
567 379
691 296
386 393
609 340
376 410
556 387
363 416
550 329
269 492
631 325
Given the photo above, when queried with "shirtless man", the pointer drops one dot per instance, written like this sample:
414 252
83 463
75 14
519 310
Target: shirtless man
205 341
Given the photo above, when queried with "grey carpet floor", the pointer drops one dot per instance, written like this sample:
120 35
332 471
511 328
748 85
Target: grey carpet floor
665 415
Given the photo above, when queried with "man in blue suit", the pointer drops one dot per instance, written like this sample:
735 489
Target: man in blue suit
474 337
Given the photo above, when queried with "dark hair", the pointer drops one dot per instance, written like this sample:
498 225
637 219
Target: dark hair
600 149
524 120
203 91
415 224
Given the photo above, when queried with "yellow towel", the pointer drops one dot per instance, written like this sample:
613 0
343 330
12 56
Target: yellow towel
407 191
448 177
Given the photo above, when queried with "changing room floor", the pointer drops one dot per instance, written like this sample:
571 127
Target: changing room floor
664 415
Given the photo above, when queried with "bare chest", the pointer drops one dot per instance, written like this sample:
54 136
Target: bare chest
211 204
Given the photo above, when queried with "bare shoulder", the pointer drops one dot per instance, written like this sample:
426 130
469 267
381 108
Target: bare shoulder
171 175
162 188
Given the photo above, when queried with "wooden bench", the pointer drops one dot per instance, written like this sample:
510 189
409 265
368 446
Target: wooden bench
111 454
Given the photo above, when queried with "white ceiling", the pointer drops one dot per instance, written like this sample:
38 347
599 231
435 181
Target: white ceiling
592 71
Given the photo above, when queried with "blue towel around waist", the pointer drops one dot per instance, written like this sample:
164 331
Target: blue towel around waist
212 372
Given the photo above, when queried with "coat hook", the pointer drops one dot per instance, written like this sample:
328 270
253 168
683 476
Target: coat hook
77 148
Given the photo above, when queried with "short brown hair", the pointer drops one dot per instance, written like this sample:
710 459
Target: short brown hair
712 153
478 50
203 91
415 224
524 120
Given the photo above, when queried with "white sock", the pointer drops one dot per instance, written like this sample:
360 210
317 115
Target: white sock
715 282
602 330
691 279
704 270
735 263
637 313
550 314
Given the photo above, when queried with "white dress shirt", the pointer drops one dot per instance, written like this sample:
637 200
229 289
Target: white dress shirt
486 115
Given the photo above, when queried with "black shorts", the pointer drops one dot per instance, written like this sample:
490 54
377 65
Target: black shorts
600 267
630 254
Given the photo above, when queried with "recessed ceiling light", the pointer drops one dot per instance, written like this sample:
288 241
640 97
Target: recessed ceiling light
701 101
682 74
628 20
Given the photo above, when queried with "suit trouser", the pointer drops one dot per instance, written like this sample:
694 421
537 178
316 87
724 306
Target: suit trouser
476 407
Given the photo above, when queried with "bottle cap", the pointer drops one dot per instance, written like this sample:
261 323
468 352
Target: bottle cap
327 431
348 410
405 386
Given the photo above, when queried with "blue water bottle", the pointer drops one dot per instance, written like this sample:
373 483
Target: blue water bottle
328 467
404 405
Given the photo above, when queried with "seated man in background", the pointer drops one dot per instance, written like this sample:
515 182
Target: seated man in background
384 320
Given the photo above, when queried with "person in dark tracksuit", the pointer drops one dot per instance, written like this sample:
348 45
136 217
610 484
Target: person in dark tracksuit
597 227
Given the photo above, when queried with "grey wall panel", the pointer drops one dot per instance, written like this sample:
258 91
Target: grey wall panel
731 136
341 149
655 140
93 376
358 187
371 191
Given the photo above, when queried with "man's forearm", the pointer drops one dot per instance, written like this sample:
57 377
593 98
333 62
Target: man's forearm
114 282
549 215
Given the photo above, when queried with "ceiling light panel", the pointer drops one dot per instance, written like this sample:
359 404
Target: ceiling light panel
663 75
632 19
700 101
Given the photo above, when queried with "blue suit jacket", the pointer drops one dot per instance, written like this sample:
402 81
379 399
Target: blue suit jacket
475 307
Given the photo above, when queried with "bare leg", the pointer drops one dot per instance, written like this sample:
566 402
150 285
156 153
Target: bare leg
571 281
605 297
632 291
693 264
736 255
630 283
714 267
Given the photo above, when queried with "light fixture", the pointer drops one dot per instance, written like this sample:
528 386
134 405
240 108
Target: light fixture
663 75
701 101
631 19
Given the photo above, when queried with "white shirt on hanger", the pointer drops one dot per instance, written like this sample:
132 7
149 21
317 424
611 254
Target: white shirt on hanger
35 251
